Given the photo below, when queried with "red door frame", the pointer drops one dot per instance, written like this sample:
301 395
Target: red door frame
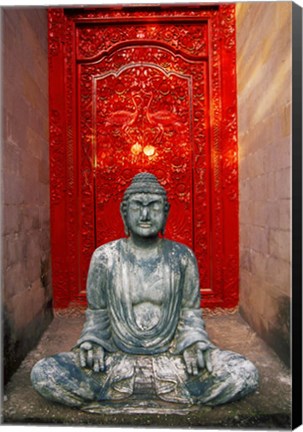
63 157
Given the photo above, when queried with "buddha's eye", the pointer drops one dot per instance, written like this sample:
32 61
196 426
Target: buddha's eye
156 207
135 206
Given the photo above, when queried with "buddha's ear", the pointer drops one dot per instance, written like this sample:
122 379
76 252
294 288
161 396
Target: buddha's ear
122 212
167 207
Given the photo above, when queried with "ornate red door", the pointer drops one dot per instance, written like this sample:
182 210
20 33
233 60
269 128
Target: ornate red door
144 90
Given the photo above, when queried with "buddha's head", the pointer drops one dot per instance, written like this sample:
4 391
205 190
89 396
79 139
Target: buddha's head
144 207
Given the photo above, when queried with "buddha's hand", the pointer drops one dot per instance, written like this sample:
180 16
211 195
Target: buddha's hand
197 357
92 355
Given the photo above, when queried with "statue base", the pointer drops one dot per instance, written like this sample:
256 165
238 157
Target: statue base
135 406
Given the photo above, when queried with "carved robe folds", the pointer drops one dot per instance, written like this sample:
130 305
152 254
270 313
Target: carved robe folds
144 330
169 287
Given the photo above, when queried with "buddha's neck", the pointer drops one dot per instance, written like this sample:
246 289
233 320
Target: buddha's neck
147 245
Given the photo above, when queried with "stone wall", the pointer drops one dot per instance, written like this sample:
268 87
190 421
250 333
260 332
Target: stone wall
25 182
264 113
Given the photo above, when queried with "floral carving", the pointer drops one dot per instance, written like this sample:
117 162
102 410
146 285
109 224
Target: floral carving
55 29
188 39
227 26
146 89
57 159
140 115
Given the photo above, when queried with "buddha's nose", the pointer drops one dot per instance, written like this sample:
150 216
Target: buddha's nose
145 214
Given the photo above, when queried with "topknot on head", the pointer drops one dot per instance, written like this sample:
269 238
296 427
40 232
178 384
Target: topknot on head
145 182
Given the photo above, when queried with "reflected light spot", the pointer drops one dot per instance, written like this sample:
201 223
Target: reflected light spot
149 150
136 149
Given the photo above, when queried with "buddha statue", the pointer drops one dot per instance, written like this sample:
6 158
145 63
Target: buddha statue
144 336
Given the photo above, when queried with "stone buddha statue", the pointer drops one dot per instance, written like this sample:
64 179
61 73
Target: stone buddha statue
144 335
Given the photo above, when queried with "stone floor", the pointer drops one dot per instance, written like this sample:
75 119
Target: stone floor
268 408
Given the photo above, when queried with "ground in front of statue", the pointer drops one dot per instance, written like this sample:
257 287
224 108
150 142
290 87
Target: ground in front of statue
269 407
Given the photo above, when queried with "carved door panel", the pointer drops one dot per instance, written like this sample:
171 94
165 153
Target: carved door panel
146 92
142 124
148 110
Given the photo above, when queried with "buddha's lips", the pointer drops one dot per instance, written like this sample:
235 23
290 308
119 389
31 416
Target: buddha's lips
144 225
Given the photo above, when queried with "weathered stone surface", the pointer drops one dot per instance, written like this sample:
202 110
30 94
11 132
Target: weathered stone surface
264 119
26 220
144 336
279 244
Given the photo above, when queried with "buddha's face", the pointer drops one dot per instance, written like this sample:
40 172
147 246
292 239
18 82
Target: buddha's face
145 214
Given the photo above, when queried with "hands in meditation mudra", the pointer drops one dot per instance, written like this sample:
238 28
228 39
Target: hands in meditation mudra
144 335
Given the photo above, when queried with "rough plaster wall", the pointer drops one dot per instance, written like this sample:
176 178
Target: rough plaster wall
264 113
25 183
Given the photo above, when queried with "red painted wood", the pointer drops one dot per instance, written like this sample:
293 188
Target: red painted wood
144 89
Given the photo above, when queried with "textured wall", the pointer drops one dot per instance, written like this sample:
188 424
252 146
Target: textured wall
25 182
264 112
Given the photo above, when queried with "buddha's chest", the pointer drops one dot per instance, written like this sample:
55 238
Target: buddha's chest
147 284
147 289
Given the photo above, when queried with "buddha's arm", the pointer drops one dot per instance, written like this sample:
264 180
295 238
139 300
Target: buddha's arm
191 329
97 326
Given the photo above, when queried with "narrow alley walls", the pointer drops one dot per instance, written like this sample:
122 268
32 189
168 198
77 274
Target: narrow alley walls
26 287
264 113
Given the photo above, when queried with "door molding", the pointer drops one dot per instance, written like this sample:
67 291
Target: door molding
64 126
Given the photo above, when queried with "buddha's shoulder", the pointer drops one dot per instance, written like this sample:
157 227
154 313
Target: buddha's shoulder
108 249
179 249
